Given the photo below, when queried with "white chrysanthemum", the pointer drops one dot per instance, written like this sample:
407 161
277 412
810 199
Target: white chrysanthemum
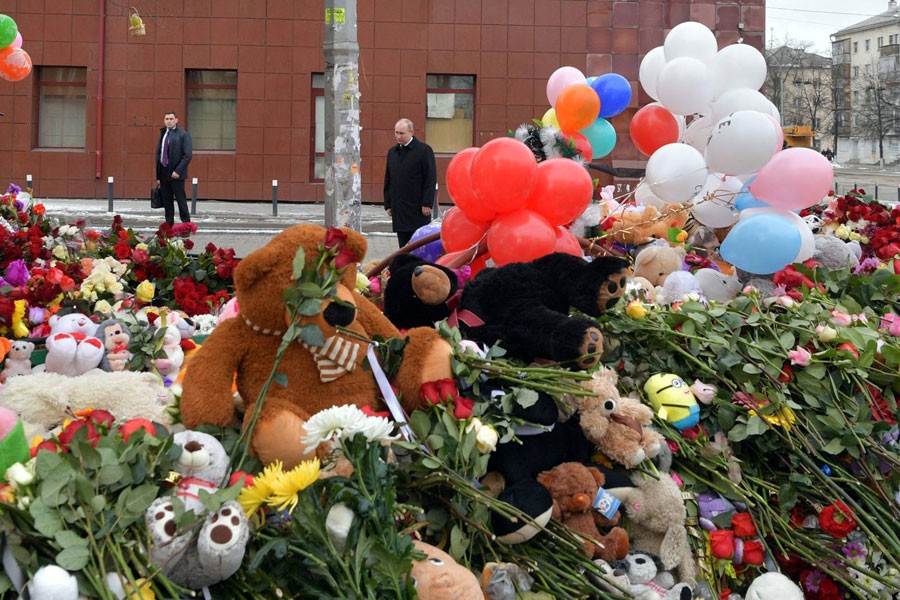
375 429
329 424
205 323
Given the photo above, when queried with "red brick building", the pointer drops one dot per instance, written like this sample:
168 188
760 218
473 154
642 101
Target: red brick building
245 78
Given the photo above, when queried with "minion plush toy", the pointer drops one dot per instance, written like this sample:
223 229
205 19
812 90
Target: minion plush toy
672 400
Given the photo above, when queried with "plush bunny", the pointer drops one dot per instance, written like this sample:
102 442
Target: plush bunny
216 552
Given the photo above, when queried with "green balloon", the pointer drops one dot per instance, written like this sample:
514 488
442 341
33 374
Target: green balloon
8 30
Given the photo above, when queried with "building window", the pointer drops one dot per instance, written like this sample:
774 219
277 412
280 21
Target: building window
892 39
867 45
856 95
450 116
856 71
880 42
61 107
317 129
212 109
855 47
868 69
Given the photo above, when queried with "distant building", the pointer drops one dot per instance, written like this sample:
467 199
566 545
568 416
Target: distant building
866 82
246 78
799 84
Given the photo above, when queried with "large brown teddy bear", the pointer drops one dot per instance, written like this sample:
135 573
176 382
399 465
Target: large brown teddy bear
246 346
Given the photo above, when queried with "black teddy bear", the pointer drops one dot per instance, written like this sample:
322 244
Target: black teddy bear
525 306
417 291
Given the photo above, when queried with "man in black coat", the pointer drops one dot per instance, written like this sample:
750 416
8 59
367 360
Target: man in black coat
173 153
409 181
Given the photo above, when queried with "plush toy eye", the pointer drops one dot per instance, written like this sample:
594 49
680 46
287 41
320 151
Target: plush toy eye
436 562
677 383
640 561
609 405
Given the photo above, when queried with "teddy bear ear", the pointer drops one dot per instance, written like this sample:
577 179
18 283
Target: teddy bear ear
597 475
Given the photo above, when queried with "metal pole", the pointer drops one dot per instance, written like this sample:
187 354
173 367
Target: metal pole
274 197
194 196
29 184
876 191
109 194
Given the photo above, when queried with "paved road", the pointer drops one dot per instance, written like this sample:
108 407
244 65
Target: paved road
883 180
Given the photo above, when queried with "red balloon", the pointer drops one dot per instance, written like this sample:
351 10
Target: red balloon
459 232
503 173
459 186
15 64
652 127
562 192
567 242
582 145
478 264
520 236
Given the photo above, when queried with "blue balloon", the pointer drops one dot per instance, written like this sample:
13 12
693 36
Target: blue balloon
590 79
761 244
602 136
614 91
744 199
432 250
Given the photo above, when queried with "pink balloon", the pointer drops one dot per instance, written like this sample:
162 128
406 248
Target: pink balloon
793 179
779 132
503 174
519 237
562 78
17 43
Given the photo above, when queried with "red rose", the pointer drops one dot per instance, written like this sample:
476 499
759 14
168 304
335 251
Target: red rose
848 347
38 209
428 393
132 426
837 520
743 526
753 552
246 479
722 543
692 433
447 390
344 258
45 445
334 238
66 435
463 408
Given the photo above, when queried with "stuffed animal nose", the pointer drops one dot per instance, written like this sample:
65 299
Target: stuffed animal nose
418 271
193 446
339 315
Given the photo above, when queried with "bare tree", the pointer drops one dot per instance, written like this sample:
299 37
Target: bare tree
876 103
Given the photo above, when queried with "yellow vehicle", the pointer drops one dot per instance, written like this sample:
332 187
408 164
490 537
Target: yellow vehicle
799 136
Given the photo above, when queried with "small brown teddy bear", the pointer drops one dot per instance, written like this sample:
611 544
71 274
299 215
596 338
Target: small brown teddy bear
656 261
243 349
574 487
618 426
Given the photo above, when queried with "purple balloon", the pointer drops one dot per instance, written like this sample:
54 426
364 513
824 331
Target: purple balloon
432 250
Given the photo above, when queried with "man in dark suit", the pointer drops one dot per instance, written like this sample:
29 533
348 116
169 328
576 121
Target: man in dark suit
173 153
409 181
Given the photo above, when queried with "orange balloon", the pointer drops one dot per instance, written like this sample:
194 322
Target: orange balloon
15 64
577 107
459 232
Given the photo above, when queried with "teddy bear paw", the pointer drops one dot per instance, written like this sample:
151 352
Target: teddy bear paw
612 290
591 346
161 521
222 541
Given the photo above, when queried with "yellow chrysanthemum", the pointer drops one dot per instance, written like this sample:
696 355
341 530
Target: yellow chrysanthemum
252 497
20 330
783 417
285 490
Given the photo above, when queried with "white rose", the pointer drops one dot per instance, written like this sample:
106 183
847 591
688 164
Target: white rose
18 475
60 252
486 439
103 307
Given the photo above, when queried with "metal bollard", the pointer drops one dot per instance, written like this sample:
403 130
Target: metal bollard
109 194
876 192
29 184
194 196
274 197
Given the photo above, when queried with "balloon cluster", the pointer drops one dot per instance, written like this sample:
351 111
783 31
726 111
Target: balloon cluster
519 206
580 106
15 64
727 160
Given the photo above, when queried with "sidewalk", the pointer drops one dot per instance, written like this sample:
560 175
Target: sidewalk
243 226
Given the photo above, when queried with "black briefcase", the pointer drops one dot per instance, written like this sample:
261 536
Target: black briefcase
155 198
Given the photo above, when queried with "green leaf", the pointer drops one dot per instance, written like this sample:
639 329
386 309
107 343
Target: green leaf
431 463
46 519
834 447
435 442
309 307
98 503
308 289
312 335
55 489
756 426
786 340
45 463
525 398
68 538
420 423
738 433
751 369
110 474
74 558
450 423
298 264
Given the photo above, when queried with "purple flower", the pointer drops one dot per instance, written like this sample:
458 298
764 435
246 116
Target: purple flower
17 273
19 205
13 189
4 283
36 314
868 265
813 580
854 550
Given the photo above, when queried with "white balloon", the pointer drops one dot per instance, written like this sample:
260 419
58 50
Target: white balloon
693 40
807 237
714 206
741 142
652 64
737 66
644 196
742 99
676 172
684 86
697 133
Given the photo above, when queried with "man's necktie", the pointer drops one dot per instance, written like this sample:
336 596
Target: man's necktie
165 151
